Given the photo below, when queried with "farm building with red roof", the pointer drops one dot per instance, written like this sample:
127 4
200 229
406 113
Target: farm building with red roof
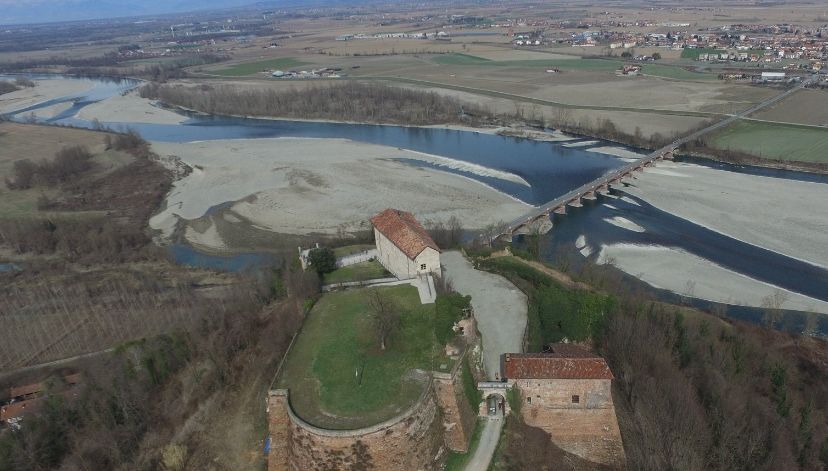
403 246
567 392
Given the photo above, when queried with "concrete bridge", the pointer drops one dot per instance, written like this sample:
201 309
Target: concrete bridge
538 220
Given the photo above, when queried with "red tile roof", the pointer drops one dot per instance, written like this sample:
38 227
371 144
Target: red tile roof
566 362
403 230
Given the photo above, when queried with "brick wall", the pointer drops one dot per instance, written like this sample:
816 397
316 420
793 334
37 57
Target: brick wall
278 425
458 415
587 428
411 441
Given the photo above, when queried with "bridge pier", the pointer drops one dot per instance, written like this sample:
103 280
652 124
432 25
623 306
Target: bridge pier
575 202
560 209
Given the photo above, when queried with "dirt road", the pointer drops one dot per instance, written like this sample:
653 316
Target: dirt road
486 448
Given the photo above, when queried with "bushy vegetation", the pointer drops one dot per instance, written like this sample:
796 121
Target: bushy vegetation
129 195
349 101
750 398
555 313
68 163
7 87
449 308
131 403
470 390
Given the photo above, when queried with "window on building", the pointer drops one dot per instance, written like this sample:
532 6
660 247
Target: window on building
528 399
576 399
422 266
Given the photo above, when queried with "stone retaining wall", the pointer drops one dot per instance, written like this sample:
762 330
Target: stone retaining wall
410 441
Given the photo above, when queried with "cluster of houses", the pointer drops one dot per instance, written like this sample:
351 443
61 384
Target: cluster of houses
324 72
27 399
436 35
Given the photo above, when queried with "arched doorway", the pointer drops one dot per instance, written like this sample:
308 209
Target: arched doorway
495 405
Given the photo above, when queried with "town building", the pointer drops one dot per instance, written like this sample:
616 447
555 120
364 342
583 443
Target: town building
403 246
568 393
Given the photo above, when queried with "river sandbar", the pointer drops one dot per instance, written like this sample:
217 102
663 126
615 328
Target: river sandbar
693 276
303 186
785 216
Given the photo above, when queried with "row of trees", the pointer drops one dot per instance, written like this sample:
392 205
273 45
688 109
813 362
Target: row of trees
349 101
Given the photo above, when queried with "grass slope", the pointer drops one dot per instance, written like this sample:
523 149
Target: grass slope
774 141
357 272
250 68
339 378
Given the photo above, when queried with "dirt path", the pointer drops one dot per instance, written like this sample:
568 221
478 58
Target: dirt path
486 447
499 307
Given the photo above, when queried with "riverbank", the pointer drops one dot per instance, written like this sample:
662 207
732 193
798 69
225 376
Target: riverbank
306 186
773 213
130 108
43 91
694 277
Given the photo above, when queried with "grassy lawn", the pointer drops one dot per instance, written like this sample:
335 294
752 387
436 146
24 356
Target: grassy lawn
339 378
774 141
357 272
460 59
457 461
677 73
250 68
352 249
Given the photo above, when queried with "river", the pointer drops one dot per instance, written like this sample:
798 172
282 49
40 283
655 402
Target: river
550 169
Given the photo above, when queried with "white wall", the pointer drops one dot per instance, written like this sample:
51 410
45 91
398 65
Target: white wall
395 261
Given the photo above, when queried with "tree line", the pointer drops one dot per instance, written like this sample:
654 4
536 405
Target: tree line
348 101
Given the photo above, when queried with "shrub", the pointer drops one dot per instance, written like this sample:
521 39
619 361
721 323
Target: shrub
449 310
24 82
323 260
68 163
7 87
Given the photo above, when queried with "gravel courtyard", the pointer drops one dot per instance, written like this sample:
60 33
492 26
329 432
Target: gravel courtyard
500 308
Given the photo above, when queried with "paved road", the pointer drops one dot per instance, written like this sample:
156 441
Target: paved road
485 449
499 307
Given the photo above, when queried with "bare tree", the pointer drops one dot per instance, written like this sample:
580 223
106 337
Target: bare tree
386 315
772 304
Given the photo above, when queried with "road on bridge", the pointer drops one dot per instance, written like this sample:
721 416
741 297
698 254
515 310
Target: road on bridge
594 185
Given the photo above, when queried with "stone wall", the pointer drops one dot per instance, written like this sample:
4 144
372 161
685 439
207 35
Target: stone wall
411 441
587 428
458 415
278 425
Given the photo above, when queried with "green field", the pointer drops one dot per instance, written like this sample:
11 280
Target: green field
369 270
339 378
250 68
563 64
674 72
774 141
460 59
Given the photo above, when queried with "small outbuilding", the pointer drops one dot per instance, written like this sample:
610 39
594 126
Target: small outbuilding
403 246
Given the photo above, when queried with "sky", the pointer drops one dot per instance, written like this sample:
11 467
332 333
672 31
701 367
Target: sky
42 11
